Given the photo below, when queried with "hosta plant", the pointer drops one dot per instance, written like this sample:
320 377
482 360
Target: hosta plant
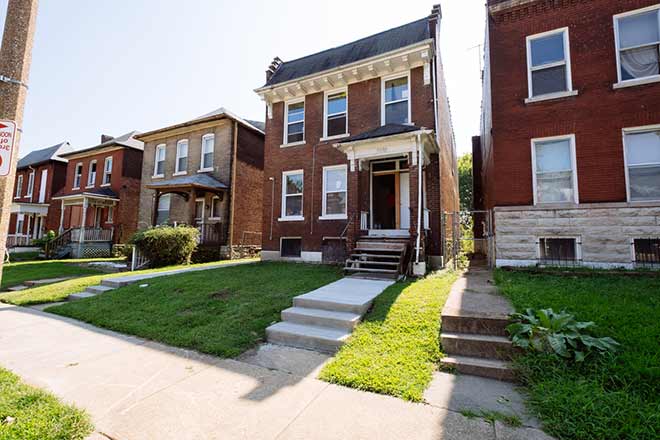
547 331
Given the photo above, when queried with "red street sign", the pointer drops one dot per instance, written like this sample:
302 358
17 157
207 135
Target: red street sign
7 141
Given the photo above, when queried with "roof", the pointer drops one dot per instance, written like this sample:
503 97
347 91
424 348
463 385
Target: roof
382 131
102 192
128 140
196 180
368 47
44 155
216 114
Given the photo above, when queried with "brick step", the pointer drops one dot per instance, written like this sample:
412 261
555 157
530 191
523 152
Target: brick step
494 369
321 318
474 324
324 339
473 345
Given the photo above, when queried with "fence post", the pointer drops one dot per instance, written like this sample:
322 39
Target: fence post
133 258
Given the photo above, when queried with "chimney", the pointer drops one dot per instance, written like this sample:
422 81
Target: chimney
106 137
436 15
274 65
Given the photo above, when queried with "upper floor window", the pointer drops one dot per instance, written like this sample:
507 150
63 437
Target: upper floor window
30 188
292 194
181 157
91 175
77 176
396 100
208 144
107 171
294 127
336 122
549 63
554 177
334 191
638 44
159 161
642 152
19 186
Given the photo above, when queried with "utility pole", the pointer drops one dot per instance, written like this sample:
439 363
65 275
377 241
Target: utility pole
15 59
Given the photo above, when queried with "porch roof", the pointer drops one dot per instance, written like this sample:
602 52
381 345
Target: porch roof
29 208
96 193
198 181
382 131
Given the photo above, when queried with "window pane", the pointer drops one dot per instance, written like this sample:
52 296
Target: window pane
644 183
208 144
335 203
547 50
335 180
337 125
183 164
160 167
216 208
337 103
208 160
293 206
557 249
199 210
643 148
396 113
550 80
553 156
396 89
295 137
294 184
554 187
640 63
638 29
296 112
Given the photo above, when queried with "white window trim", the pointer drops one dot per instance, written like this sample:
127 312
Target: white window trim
19 186
30 186
292 218
570 137
578 244
326 94
203 200
203 169
383 80
76 174
567 62
105 170
177 171
636 81
633 130
285 142
111 214
158 148
213 215
89 174
325 216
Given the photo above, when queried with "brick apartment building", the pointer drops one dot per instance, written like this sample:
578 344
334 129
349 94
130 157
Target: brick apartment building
570 141
359 152
206 172
99 199
39 175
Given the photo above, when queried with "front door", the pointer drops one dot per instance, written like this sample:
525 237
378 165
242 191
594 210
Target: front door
390 195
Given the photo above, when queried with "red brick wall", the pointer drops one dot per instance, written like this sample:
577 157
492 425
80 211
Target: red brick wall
596 116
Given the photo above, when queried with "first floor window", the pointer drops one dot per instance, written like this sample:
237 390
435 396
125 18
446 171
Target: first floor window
20 223
163 214
107 171
638 44
292 194
295 122
548 63
208 142
558 250
643 162
159 160
396 101
77 177
554 171
334 191
19 185
91 175
181 156
647 251
335 108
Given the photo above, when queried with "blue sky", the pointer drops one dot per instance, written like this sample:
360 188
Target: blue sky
116 66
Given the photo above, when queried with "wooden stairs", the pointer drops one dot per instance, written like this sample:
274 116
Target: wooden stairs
379 257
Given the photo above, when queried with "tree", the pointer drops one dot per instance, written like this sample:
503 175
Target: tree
465 189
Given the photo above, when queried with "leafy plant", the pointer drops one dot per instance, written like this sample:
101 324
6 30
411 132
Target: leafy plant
547 331
167 245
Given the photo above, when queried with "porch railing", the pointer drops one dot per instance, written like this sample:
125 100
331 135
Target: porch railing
92 234
212 233
14 240
364 220
138 259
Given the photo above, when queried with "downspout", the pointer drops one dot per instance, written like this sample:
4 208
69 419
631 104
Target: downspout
420 161
233 192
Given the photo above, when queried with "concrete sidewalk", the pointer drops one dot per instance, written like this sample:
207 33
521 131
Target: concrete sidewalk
136 389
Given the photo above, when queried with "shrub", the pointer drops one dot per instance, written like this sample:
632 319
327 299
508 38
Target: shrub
167 245
546 331
122 250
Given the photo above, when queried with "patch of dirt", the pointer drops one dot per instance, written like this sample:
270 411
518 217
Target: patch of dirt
221 295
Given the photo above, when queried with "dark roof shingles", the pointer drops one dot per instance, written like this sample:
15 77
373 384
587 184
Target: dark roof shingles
43 155
195 179
382 131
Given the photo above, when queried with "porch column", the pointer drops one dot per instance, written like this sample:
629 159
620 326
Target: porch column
415 163
353 232
192 203
154 214
81 239
61 228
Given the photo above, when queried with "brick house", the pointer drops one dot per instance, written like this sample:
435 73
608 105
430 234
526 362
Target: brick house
39 175
206 172
99 199
570 141
359 153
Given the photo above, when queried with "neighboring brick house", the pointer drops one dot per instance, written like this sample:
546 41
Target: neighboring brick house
99 200
352 134
39 175
206 172
570 141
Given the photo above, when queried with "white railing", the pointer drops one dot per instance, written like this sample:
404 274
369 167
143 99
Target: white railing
14 240
427 219
138 260
364 220
92 234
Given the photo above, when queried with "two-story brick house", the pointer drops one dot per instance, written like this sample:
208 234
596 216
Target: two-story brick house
98 202
39 175
206 172
570 142
359 152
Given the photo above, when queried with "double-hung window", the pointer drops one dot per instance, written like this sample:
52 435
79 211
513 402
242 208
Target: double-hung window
19 186
91 175
294 127
642 149
30 187
336 122
77 176
549 63
638 44
163 209
159 161
107 171
334 192
292 195
181 157
396 100
216 205
208 144
554 176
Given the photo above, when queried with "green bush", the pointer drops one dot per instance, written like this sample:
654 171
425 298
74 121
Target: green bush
122 250
167 245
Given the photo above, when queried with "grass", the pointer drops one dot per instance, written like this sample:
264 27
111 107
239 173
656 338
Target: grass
397 348
493 416
15 257
28 413
60 291
222 312
17 273
615 397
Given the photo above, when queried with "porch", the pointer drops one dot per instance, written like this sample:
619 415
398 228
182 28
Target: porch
30 223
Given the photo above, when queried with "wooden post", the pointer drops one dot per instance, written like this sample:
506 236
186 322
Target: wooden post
61 229
81 238
154 214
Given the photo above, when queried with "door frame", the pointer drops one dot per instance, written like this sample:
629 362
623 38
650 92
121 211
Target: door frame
397 188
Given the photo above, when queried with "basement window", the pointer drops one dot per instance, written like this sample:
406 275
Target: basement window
558 251
647 252
291 248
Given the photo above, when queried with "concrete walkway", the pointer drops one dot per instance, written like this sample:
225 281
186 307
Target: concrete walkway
136 389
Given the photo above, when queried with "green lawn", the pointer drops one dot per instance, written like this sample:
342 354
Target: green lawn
397 348
28 413
222 312
15 257
14 274
613 398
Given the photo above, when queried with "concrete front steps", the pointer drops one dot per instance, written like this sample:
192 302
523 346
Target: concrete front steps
323 319
473 335
378 256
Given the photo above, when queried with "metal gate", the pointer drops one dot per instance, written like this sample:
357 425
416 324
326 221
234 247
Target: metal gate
470 234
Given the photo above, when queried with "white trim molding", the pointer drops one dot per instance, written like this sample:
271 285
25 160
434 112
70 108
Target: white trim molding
617 46
574 179
285 140
292 218
202 168
324 214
